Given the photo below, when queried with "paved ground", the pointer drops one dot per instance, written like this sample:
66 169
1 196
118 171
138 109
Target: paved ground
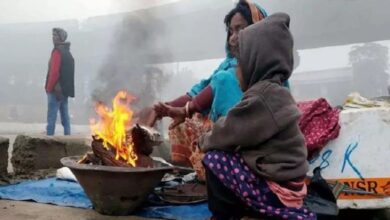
14 210
38 128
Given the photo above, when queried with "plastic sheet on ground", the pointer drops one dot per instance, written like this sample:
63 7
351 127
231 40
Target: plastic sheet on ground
67 193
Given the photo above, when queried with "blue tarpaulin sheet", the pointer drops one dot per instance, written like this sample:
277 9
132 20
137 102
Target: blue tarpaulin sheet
66 193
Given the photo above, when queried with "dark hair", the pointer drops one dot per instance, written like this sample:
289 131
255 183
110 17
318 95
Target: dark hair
242 7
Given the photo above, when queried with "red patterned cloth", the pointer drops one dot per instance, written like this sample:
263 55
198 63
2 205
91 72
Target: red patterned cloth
319 124
184 146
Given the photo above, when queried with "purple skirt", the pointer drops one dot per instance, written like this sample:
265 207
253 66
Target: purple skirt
232 171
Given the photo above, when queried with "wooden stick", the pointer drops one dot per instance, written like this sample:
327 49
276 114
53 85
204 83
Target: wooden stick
107 156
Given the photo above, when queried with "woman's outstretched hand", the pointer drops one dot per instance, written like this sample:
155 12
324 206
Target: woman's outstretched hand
147 116
178 114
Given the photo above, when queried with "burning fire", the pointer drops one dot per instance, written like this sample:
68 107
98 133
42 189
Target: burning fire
112 127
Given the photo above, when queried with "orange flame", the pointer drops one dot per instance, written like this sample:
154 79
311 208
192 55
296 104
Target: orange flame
112 126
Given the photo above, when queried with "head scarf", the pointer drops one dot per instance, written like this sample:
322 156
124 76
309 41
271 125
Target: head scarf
257 12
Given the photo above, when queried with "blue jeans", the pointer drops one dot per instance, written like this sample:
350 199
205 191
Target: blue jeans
53 105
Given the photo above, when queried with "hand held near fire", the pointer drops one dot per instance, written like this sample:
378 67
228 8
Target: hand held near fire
147 116
178 114
152 119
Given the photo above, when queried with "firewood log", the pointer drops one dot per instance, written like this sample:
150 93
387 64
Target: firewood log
108 156
143 138
90 158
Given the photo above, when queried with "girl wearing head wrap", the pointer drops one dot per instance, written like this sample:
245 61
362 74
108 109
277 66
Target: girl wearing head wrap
256 156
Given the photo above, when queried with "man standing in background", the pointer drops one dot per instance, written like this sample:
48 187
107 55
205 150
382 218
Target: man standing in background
59 82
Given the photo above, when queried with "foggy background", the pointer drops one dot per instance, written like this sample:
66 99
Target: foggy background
158 49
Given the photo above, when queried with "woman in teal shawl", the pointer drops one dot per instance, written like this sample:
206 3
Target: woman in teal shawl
212 97
216 95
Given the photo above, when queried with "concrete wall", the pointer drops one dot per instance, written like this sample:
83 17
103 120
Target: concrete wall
4 144
31 153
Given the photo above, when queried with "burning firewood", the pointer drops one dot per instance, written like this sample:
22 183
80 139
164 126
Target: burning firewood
143 138
90 158
107 156
116 142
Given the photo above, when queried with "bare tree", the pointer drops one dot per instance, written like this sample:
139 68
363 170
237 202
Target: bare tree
369 63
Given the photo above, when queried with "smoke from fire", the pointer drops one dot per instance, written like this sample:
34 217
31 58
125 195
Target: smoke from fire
130 64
